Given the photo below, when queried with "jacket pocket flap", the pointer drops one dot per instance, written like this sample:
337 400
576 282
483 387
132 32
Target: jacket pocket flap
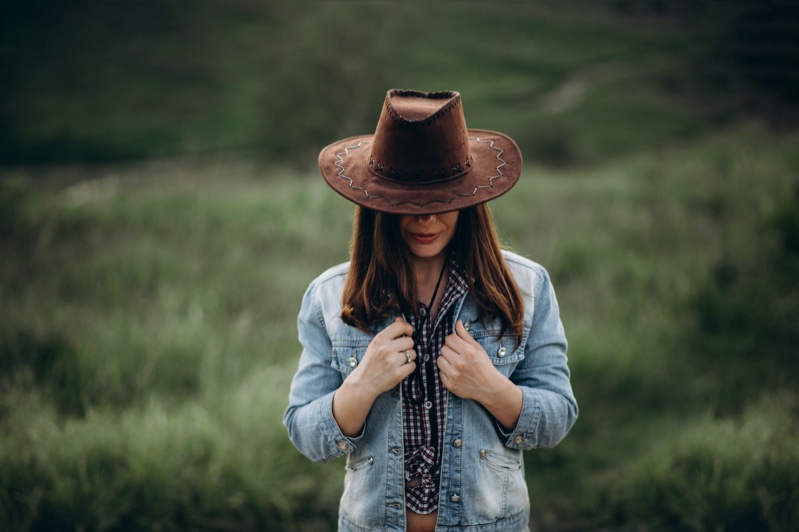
347 355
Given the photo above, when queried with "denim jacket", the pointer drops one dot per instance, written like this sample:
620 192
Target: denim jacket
482 473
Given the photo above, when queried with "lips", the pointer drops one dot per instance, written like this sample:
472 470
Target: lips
425 238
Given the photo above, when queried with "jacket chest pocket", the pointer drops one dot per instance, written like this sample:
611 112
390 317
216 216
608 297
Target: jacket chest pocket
347 354
501 350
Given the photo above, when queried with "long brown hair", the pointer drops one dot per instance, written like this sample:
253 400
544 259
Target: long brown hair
380 277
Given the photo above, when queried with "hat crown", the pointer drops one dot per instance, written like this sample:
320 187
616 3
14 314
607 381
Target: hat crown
421 158
421 137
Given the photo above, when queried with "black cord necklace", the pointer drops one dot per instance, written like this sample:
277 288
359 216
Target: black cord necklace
415 379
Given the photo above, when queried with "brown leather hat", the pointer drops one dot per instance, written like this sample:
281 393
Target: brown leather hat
421 158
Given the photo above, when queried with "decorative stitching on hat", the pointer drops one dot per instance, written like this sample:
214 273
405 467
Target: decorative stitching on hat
343 176
490 184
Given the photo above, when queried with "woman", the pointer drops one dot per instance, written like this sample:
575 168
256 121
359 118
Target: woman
433 358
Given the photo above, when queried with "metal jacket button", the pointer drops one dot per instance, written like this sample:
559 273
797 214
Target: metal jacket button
353 362
467 326
455 497
457 443
502 352
518 440
342 446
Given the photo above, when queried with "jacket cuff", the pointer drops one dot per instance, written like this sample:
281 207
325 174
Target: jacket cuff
339 443
523 435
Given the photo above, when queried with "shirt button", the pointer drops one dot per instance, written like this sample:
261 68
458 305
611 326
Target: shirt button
352 362
502 352
342 446
457 443
428 405
427 358
455 497
518 440
422 311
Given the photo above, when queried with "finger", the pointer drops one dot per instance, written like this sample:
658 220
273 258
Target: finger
397 329
448 353
461 331
445 371
391 334
400 359
405 370
409 354
445 380
444 365
403 343
457 344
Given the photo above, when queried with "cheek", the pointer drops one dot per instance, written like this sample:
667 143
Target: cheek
451 235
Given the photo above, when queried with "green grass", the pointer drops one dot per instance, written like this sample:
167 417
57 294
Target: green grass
149 340
99 82
149 349
635 254
722 473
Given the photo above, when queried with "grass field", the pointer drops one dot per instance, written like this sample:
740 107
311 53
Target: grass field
153 260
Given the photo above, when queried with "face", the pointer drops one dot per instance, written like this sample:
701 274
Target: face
427 236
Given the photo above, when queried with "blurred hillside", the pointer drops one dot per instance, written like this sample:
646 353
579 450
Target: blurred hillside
104 81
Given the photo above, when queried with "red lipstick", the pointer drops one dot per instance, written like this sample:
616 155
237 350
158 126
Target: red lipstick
425 238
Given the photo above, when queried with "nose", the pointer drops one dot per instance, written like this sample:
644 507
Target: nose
426 219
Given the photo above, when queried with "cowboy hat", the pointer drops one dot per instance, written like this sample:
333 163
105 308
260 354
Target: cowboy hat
422 159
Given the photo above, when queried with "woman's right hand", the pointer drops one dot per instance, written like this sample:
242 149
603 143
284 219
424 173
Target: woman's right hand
384 365
388 359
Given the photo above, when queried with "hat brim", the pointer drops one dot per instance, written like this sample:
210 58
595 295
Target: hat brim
496 167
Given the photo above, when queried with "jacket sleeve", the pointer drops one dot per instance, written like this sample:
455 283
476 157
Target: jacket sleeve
549 409
309 416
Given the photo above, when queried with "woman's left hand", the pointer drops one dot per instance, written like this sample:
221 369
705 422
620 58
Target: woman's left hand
467 371
465 368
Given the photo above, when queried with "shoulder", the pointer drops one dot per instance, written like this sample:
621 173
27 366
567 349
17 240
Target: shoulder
333 275
527 273
322 299
329 284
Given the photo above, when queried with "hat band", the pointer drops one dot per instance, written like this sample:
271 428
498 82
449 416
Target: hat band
420 177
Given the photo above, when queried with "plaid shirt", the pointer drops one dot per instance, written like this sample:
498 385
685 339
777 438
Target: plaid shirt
424 405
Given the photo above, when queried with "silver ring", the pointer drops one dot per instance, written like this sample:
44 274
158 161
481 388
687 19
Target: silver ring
407 356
